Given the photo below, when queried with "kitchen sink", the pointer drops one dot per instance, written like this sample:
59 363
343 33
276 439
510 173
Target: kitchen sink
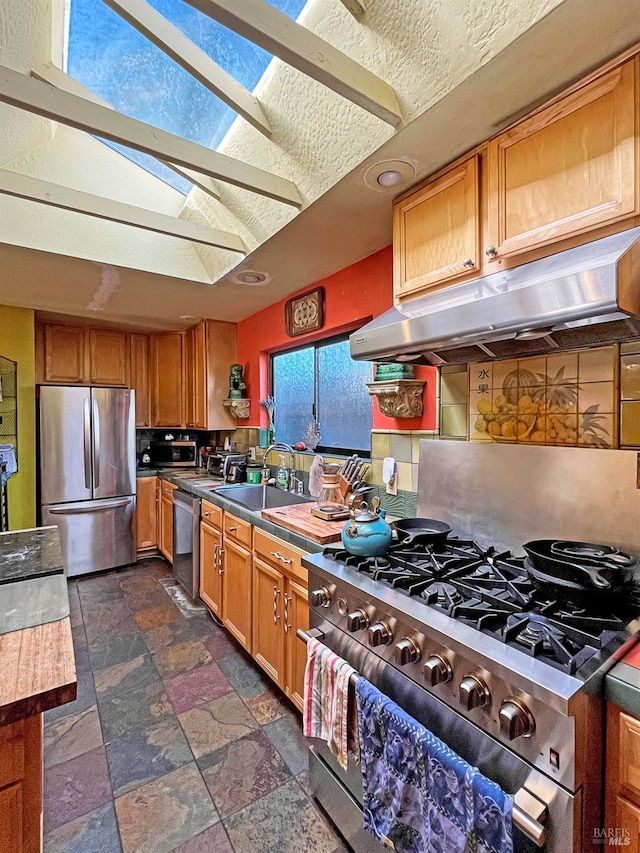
257 497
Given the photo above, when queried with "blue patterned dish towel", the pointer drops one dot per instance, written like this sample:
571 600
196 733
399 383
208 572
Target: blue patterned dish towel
8 457
419 795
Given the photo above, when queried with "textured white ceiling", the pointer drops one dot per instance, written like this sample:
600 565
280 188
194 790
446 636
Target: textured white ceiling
460 69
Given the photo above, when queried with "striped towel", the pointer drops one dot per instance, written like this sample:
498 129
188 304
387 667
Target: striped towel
326 699
8 456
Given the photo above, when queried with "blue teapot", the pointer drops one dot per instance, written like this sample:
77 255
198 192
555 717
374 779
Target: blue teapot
367 534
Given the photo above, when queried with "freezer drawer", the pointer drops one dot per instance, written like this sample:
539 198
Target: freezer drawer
94 535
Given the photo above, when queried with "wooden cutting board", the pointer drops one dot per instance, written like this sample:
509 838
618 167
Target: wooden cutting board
298 519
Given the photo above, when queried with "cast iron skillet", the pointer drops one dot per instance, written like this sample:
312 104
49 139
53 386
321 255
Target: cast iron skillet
577 562
426 531
579 594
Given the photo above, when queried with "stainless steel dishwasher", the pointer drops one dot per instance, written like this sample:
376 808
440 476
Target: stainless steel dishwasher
186 542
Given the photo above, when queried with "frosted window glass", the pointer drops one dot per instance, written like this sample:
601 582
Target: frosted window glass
293 390
344 405
119 64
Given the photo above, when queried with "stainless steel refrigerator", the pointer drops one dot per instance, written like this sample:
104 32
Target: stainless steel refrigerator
88 474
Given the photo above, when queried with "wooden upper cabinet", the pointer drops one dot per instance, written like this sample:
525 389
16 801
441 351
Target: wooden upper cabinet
568 169
436 230
167 379
63 356
210 350
140 378
108 357
81 355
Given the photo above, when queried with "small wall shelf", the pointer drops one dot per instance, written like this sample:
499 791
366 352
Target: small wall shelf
240 408
398 398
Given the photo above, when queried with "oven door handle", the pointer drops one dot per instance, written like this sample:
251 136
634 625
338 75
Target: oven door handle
529 816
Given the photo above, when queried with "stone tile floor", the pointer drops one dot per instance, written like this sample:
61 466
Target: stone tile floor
177 740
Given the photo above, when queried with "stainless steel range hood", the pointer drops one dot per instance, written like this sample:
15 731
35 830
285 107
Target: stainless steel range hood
579 297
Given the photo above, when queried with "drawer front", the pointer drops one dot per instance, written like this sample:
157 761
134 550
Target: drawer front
238 530
280 555
167 487
212 514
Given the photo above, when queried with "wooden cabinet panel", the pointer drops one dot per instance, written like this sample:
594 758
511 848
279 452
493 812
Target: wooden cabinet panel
629 756
64 354
627 825
146 513
212 514
21 786
436 230
567 169
238 529
165 535
236 592
108 357
210 567
167 380
140 379
210 350
268 598
280 554
196 377
297 610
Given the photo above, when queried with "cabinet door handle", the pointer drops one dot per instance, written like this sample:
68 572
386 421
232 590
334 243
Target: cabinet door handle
287 599
281 558
468 263
221 553
207 514
216 548
232 529
276 593
491 252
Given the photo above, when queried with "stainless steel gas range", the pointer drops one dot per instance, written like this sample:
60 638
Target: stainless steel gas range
459 633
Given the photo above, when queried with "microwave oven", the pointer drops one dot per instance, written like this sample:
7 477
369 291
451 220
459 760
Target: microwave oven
173 454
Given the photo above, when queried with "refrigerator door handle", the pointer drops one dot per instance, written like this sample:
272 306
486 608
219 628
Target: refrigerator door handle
87 442
96 443
88 508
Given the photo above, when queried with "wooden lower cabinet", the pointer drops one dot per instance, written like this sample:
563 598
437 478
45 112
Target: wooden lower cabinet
622 789
236 592
211 570
21 786
279 609
146 513
165 527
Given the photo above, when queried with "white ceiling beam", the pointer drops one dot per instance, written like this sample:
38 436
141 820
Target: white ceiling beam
356 7
185 53
50 73
45 100
278 34
66 198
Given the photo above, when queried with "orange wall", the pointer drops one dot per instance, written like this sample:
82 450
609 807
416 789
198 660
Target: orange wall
352 297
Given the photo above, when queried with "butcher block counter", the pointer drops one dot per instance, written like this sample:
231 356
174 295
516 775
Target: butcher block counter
298 519
38 672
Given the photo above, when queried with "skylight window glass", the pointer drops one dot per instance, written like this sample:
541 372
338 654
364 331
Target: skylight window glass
119 64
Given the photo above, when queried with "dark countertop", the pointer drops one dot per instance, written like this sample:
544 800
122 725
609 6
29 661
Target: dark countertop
28 554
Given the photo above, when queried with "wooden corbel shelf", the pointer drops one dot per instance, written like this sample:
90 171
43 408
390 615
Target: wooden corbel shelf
240 408
398 398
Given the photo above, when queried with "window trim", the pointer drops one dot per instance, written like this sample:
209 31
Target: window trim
317 344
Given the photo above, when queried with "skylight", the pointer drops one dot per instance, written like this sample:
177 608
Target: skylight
121 66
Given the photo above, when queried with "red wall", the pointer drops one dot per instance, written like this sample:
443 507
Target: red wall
352 297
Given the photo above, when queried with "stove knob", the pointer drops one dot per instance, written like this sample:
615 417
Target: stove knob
380 634
437 670
320 597
357 621
406 651
516 720
474 693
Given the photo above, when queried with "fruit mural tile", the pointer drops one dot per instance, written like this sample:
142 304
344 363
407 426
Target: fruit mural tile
562 368
539 401
596 365
596 394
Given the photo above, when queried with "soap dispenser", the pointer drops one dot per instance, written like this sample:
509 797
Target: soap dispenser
282 475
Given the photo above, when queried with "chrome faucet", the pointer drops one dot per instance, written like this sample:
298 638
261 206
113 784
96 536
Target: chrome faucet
291 473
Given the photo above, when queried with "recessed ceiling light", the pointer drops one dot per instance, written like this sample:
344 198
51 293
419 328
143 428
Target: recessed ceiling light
252 278
389 174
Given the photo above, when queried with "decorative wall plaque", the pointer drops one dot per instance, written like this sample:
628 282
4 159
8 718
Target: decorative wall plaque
304 313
